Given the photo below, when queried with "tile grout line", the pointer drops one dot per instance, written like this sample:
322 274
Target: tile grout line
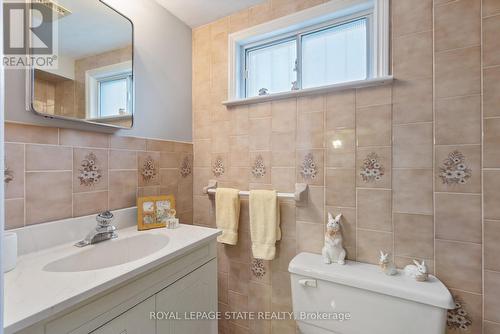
325 158
397 212
492 271
109 135
394 125
456 193
487 16
374 230
460 96
491 67
469 292
481 20
94 147
459 241
73 183
434 98
356 234
109 170
410 34
48 171
393 226
436 52
24 186
454 145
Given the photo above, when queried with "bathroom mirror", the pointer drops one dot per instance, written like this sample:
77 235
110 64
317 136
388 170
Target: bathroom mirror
93 81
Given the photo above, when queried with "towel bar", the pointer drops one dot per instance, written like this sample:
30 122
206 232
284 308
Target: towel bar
300 194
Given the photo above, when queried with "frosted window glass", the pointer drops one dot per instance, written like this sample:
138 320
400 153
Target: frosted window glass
113 97
271 68
337 54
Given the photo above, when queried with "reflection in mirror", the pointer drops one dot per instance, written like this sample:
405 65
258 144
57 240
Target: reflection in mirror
94 78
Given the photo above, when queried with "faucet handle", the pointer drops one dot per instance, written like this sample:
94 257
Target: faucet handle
104 218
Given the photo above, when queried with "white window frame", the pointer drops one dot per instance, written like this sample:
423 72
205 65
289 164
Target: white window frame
331 13
92 88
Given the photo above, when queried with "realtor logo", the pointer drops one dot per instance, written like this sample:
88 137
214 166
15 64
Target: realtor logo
30 34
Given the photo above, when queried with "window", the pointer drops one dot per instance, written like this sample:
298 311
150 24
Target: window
334 44
113 96
335 54
109 91
315 57
271 68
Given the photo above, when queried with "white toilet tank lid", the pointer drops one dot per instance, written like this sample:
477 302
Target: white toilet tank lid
369 277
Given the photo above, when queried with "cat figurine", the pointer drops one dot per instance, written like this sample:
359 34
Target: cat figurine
333 250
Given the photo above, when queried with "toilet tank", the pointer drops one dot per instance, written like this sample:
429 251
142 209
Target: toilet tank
357 298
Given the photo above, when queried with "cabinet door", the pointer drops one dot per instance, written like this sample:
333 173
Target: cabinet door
196 292
134 321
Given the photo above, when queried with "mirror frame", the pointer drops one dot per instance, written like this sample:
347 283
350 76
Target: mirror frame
30 86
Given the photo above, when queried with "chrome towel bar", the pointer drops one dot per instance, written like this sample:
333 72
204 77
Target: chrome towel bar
300 194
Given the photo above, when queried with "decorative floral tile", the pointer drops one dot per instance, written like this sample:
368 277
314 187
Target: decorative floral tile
218 167
259 169
186 168
257 267
372 170
454 169
149 170
8 175
90 172
458 318
308 169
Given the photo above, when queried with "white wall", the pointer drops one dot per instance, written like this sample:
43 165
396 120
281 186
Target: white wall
65 68
163 77
2 169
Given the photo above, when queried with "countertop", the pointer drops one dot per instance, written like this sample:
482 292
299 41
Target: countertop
33 294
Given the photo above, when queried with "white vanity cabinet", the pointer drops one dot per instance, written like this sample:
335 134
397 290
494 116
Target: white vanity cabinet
134 321
192 293
185 283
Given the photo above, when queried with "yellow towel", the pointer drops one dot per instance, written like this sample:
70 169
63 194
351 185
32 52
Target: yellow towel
227 214
264 223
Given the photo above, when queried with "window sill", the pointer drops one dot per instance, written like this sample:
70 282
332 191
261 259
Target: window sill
310 91
110 118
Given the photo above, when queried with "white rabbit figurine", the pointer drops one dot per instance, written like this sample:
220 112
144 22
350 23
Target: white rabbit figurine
333 250
417 271
386 265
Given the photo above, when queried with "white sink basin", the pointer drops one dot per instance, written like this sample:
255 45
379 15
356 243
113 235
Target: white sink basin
110 253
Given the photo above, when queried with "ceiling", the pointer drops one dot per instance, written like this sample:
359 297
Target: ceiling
91 28
199 12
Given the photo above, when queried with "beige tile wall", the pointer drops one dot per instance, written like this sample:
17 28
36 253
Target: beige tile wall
458 216
44 163
441 53
491 163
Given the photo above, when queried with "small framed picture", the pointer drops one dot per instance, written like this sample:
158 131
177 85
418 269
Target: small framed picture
154 211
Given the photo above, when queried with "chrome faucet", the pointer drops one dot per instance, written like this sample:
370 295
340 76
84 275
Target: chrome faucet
103 231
